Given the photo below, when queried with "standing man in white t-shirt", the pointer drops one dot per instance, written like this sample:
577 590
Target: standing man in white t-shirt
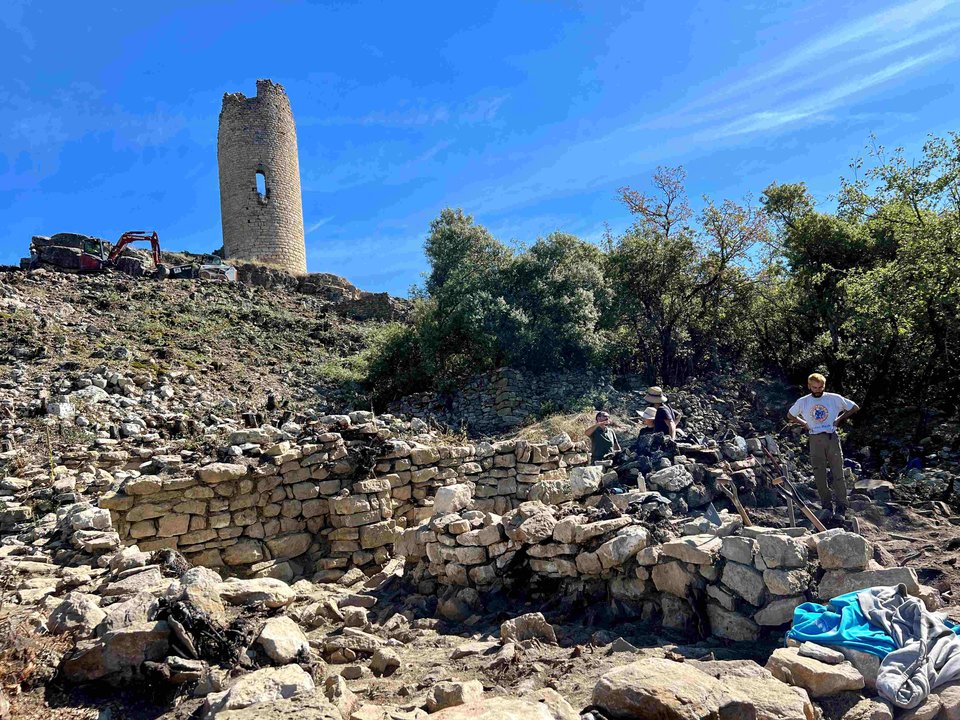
822 413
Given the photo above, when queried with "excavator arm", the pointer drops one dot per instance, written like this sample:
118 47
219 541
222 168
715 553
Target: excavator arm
135 236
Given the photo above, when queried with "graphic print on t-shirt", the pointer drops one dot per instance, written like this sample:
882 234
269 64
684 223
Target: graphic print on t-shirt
820 413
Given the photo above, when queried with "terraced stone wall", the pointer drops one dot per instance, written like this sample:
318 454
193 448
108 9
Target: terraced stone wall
322 504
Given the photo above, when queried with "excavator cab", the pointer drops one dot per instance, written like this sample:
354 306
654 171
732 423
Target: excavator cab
93 255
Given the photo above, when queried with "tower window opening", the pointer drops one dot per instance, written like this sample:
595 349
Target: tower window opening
262 193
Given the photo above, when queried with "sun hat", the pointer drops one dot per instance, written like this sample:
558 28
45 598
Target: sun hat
655 395
649 414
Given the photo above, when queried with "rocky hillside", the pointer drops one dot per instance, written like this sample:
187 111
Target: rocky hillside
198 520
135 356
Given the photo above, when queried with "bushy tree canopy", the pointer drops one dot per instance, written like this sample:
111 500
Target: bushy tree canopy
869 292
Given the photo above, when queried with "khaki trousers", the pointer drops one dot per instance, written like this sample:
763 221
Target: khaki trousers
825 452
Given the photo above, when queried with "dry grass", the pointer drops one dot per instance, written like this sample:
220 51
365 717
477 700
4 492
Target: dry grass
28 660
573 424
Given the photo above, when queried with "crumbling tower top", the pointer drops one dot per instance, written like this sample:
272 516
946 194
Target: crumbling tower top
260 202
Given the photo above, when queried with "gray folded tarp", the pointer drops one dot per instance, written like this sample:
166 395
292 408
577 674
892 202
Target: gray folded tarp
927 654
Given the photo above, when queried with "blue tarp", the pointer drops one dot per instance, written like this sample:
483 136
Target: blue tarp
843 623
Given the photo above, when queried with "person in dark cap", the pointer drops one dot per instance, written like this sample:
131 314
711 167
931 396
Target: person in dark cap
603 440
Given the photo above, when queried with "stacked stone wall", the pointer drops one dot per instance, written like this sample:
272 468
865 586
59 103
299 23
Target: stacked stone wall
283 508
744 580
258 134
490 516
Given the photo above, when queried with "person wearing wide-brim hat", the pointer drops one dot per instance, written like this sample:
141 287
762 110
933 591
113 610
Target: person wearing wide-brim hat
664 420
647 417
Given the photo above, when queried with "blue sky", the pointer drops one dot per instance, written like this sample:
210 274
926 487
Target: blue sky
528 115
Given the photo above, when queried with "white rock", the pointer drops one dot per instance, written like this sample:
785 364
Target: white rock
452 498
260 686
283 641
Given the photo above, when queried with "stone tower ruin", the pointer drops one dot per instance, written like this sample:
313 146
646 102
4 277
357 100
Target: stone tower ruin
260 205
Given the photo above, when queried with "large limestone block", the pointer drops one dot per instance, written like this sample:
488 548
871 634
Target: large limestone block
532 522
660 689
290 545
730 625
779 612
838 582
739 549
628 542
844 551
244 552
502 708
673 578
270 592
449 694
585 480
452 498
745 582
782 551
588 531
118 652
261 686
283 641
140 608
78 613
551 492
672 479
869 709
753 692
817 678
786 582
221 472
375 536
308 706
950 700
695 549
528 627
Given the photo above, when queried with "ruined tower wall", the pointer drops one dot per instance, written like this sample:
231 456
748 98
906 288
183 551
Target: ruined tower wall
258 135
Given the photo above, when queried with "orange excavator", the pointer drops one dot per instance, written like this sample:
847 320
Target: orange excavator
92 253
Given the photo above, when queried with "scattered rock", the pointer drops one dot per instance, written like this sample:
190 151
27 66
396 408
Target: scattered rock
817 678
657 688
259 686
448 694
385 662
283 641
268 592
78 613
532 626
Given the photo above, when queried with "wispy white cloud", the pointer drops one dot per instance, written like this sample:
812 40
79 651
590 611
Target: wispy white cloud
875 28
816 82
820 103
417 114
318 224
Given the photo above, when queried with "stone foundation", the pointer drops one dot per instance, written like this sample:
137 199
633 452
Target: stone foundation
326 503
494 516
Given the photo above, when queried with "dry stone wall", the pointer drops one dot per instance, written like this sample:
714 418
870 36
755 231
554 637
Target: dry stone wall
258 135
740 580
347 498
279 508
